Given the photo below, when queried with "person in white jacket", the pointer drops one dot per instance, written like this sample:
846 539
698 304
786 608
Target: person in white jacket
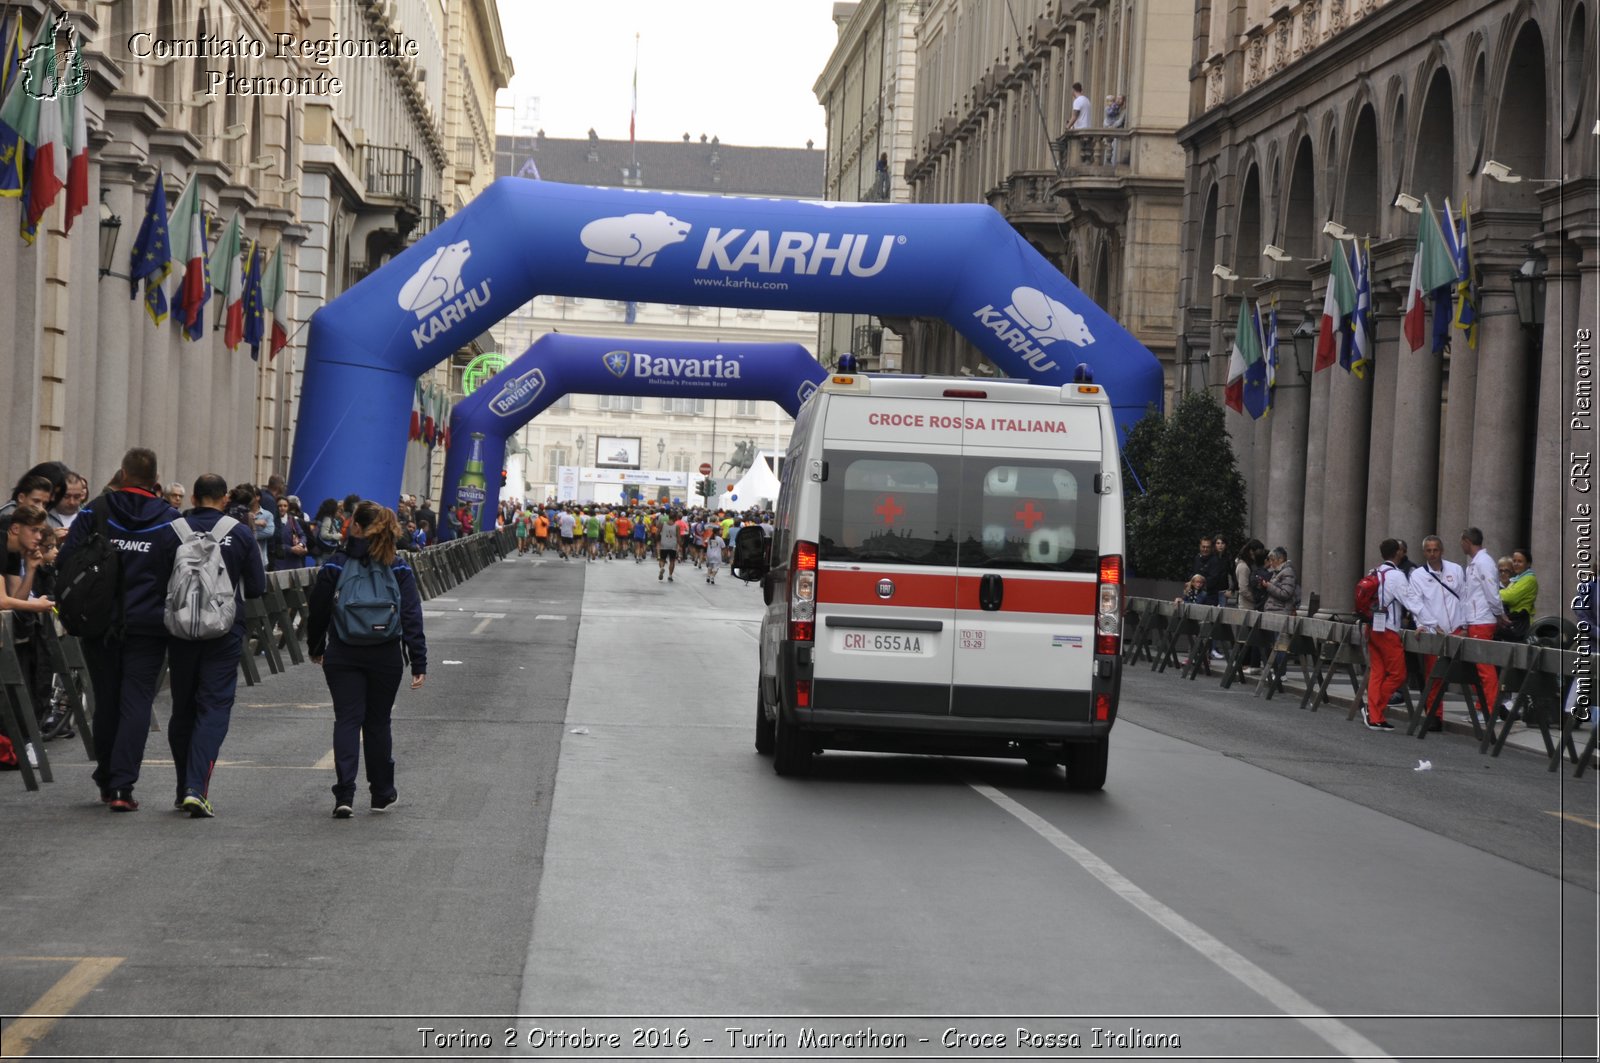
1386 657
1441 585
1484 612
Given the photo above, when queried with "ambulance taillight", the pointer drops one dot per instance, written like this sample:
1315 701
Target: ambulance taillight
803 593
1108 615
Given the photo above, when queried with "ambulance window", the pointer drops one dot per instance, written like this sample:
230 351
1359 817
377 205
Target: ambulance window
1041 515
886 509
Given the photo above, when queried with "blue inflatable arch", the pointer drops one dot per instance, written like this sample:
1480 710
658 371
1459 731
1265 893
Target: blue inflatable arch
558 364
521 238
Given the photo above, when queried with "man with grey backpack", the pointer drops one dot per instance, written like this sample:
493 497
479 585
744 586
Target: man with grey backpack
216 568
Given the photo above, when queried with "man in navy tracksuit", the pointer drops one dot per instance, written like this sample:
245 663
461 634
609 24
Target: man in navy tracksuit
205 672
125 665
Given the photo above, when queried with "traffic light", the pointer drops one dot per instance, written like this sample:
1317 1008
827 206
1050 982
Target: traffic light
707 487
503 474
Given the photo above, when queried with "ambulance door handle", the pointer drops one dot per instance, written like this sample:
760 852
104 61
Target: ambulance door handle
991 591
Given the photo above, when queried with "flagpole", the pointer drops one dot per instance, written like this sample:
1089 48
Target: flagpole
633 140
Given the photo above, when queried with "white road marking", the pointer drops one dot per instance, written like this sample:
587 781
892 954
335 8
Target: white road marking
326 763
1346 1040
433 614
549 616
491 616
482 624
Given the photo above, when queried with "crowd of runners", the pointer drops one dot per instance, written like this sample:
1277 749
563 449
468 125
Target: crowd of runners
665 535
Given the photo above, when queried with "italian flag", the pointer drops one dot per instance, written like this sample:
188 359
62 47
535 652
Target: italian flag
227 278
1338 304
186 234
1432 268
1246 352
49 173
274 301
77 145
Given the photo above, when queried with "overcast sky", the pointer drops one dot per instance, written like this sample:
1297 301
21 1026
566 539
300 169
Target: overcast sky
742 71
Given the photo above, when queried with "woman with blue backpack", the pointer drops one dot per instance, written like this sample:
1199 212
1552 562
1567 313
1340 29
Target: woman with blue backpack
366 622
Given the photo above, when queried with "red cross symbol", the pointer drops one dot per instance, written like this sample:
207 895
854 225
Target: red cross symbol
1029 516
888 510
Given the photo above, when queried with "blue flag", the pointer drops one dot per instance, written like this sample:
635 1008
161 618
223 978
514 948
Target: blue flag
1256 400
10 74
631 313
151 260
255 318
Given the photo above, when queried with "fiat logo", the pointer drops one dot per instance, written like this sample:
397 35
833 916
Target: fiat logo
885 588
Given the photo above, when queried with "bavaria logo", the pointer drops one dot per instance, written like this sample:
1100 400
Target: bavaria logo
805 391
647 366
437 295
518 393
632 239
1045 320
617 362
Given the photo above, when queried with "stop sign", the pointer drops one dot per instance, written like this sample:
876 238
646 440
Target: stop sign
705 468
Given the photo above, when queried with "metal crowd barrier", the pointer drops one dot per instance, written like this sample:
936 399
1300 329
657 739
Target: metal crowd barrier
1182 635
275 629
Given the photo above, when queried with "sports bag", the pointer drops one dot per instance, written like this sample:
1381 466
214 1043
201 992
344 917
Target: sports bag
89 582
1367 594
200 597
366 604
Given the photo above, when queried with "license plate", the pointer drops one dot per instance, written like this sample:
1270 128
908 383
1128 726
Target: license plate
881 642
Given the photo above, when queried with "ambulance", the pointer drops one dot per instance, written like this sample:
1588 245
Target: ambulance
944 575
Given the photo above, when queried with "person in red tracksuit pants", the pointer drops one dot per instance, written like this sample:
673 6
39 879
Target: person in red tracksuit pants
1483 608
1386 658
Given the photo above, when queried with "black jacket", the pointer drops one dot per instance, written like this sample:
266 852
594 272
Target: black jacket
241 557
322 640
141 530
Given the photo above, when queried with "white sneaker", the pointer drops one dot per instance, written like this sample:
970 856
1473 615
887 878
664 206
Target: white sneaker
1216 655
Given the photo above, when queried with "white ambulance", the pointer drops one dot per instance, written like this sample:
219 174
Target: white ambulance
944 575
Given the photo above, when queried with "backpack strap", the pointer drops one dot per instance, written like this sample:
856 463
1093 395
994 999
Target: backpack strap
181 526
224 525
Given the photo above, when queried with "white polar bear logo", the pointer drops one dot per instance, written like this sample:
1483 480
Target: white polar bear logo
1047 319
438 279
632 239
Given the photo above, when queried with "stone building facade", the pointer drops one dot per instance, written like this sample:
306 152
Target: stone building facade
993 100
342 181
676 435
867 91
1330 110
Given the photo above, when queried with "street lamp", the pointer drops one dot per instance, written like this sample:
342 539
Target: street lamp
110 226
661 451
1527 285
577 448
1304 338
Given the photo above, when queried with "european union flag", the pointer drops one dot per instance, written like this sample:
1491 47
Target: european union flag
10 74
255 318
152 255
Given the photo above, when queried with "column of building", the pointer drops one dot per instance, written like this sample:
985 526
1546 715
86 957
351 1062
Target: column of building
1554 434
1289 423
1499 430
1383 380
1414 443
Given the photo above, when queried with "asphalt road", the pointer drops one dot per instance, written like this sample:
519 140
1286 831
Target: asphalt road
589 846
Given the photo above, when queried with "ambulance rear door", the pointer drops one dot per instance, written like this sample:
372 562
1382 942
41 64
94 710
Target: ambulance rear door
1028 562
886 573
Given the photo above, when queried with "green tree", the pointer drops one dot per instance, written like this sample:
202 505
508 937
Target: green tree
1192 487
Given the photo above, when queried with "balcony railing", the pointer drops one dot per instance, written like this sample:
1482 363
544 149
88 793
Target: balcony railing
433 216
393 173
466 152
1094 152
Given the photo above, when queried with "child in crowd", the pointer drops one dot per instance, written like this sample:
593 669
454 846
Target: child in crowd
713 548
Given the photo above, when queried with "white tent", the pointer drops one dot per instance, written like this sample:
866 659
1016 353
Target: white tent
756 484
